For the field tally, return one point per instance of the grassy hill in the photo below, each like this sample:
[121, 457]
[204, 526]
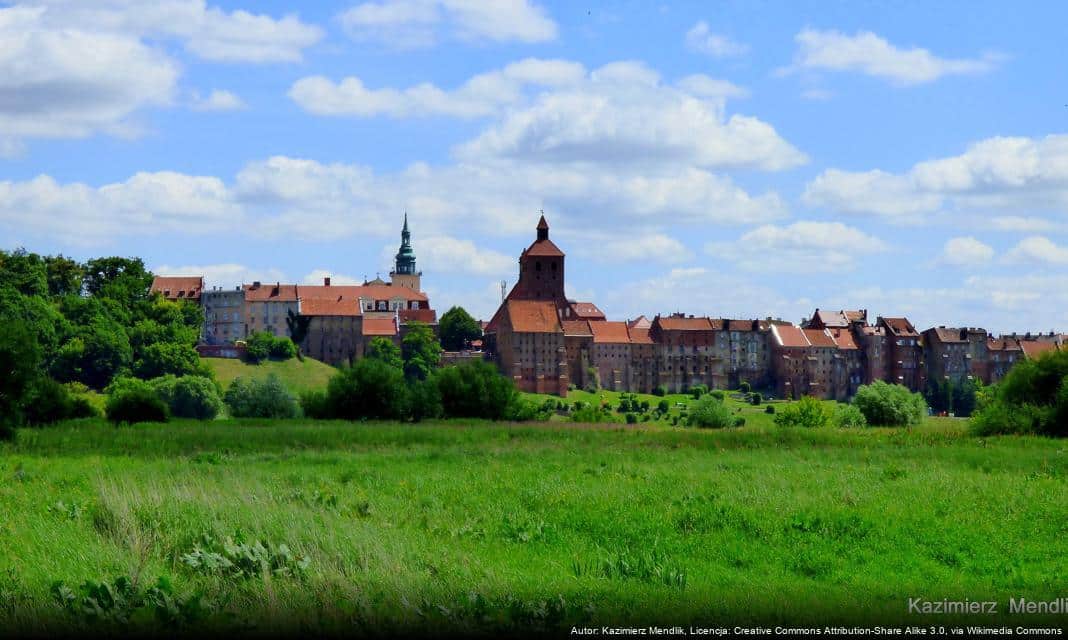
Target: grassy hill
[298, 376]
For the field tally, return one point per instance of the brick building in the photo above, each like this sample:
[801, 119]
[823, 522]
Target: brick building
[175, 288]
[224, 315]
[905, 363]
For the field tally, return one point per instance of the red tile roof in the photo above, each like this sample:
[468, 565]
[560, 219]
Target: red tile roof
[354, 292]
[543, 248]
[843, 338]
[609, 332]
[429, 316]
[178, 287]
[532, 316]
[379, 327]
[270, 292]
[587, 311]
[945, 334]
[675, 323]
[639, 335]
[1034, 348]
[900, 326]
[1002, 344]
[745, 325]
[641, 322]
[325, 307]
[819, 338]
[576, 328]
[787, 335]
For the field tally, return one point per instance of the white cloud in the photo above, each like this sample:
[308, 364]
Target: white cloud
[482, 95]
[803, 246]
[451, 255]
[208, 32]
[1025, 224]
[1038, 250]
[996, 175]
[635, 246]
[965, 251]
[227, 275]
[217, 100]
[867, 53]
[701, 39]
[409, 24]
[65, 83]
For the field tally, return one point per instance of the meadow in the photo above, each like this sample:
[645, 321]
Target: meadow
[359, 527]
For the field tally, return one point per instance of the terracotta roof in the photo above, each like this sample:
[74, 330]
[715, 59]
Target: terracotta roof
[640, 335]
[1034, 348]
[819, 338]
[354, 292]
[832, 318]
[843, 338]
[576, 328]
[856, 316]
[900, 326]
[609, 332]
[324, 307]
[675, 323]
[641, 322]
[532, 316]
[586, 310]
[787, 335]
[429, 316]
[745, 325]
[270, 292]
[544, 248]
[945, 334]
[873, 331]
[379, 327]
[178, 287]
[1002, 344]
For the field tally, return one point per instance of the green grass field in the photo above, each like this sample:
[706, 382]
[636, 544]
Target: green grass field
[296, 375]
[515, 527]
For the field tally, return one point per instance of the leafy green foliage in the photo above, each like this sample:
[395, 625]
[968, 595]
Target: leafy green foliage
[890, 405]
[458, 329]
[848, 416]
[420, 351]
[266, 398]
[261, 345]
[243, 559]
[1032, 398]
[755, 398]
[189, 396]
[424, 399]
[660, 391]
[19, 360]
[698, 390]
[48, 402]
[368, 389]
[122, 603]
[593, 414]
[711, 413]
[475, 390]
[744, 387]
[167, 358]
[131, 400]
[808, 413]
[385, 350]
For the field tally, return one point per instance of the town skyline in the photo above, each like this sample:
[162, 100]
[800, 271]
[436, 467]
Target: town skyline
[731, 160]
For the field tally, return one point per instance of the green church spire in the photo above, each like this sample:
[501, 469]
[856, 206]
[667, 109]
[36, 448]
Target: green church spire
[405, 256]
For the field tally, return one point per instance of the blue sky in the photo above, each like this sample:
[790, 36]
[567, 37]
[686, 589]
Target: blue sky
[730, 159]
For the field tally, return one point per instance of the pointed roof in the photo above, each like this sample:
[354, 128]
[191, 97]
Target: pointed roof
[542, 224]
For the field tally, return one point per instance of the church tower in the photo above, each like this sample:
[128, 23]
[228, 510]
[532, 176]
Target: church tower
[404, 273]
[541, 270]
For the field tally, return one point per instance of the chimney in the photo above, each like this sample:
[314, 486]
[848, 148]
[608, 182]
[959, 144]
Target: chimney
[326, 281]
[256, 284]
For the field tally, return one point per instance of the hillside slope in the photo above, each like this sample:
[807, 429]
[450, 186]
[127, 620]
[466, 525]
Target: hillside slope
[296, 375]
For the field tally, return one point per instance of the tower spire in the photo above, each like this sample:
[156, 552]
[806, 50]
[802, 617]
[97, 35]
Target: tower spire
[405, 261]
[543, 227]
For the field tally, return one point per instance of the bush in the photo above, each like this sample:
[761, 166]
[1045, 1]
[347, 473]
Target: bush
[756, 398]
[698, 390]
[847, 416]
[189, 396]
[266, 398]
[368, 389]
[424, 401]
[525, 411]
[632, 418]
[739, 421]
[316, 405]
[1032, 398]
[660, 391]
[592, 414]
[163, 358]
[709, 413]
[475, 390]
[769, 409]
[663, 406]
[263, 344]
[48, 402]
[131, 400]
[283, 349]
[808, 412]
[745, 387]
[890, 405]
[718, 394]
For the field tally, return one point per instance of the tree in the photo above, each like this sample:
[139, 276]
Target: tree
[25, 272]
[195, 397]
[258, 346]
[19, 367]
[266, 398]
[384, 350]
[890, 405]
[368, 389]
[744, 387]
[848, 416]
[1031, 398]
[64, 276]
[95, 354]
[710, 413]
[131, 400]
[808, 412]
[475, 390]
[162, 358]
[420, 351]
[458, 329]
[121, 278]
[297, 325]
[965, 398]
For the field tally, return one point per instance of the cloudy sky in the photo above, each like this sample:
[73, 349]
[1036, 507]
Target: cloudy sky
[733, 159]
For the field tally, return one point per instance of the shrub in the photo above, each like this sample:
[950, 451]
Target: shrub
[745, 387]
[663, 406]
[808, 412]
[632, 418]
[475, 390]
[769, 409]
[698, 390]
[1032, 398]
[368, 389]
[162, 358]
[131, 400]
[266, 398]
[194, 397]
[48, 402]
[283, 349]
[424, 401]
[258, 346]
[890, 405]
[756, 398]
[718, 394]
[316, 405]
[848, 416]
[592, 414]
[709, 413]
[739, 421]
[593, 380]
[660, 391]
[524, 411]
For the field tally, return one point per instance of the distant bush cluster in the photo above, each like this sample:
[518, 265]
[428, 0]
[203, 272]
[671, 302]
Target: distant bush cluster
[1032, 398]
[261, 345]
[890, 405]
